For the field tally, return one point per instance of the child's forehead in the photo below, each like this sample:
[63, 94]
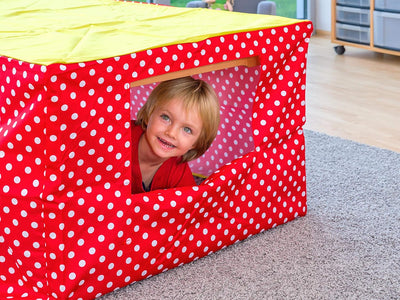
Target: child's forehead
[178, 102]
[180, 108]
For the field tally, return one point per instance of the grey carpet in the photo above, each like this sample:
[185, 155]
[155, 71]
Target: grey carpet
[347, 247]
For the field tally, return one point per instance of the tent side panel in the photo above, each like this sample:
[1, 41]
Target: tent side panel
[23, 144]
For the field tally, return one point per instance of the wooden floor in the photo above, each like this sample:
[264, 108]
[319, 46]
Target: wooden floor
[355, 96]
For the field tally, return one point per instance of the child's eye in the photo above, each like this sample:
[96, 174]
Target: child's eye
[187, 130]
[164, 117]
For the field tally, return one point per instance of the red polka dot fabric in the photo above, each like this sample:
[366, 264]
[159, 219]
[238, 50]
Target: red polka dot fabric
[69, 227]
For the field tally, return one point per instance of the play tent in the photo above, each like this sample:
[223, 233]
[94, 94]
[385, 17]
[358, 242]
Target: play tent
[73, 74]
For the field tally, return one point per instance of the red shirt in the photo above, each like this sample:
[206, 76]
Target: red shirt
[170, 174]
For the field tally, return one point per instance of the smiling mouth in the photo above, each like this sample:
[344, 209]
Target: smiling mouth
[166, 144]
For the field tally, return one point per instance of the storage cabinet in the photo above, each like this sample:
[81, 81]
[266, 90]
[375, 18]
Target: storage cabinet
[368, 24]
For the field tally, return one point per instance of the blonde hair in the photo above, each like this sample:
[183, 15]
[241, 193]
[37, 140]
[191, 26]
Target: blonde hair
[195, 94]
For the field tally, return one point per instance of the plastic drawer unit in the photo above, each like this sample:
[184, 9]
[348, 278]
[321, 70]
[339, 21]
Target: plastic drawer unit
[353, 33]
[366, 24]
[388, 5]
[386, 30]
[355, 3]
[353, 15]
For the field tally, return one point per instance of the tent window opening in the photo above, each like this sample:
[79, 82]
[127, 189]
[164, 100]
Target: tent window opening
[235, 84]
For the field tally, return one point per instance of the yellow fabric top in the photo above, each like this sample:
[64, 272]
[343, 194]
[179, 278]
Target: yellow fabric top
[69, 31]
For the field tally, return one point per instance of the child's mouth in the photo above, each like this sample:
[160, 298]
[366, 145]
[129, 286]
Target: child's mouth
[166, 144]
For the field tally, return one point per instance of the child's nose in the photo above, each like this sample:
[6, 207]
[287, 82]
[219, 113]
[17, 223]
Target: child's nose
[171, 131]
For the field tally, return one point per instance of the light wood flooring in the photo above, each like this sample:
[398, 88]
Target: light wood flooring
[355, 96]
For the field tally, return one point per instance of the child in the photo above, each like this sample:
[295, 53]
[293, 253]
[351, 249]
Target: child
[229, 5]
[178, 123]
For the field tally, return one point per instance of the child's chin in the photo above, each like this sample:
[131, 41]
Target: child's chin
[166, 153]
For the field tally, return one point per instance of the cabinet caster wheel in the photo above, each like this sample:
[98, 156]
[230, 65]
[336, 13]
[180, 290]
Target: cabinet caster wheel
[339, 49]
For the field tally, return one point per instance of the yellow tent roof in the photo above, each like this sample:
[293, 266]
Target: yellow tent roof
[69, 31]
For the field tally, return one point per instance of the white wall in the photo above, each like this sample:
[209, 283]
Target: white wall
[322, 15]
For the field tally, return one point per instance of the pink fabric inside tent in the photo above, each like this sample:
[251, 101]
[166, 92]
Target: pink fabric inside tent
[235, 135]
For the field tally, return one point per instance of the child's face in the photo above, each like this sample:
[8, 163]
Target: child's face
[172, 131]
